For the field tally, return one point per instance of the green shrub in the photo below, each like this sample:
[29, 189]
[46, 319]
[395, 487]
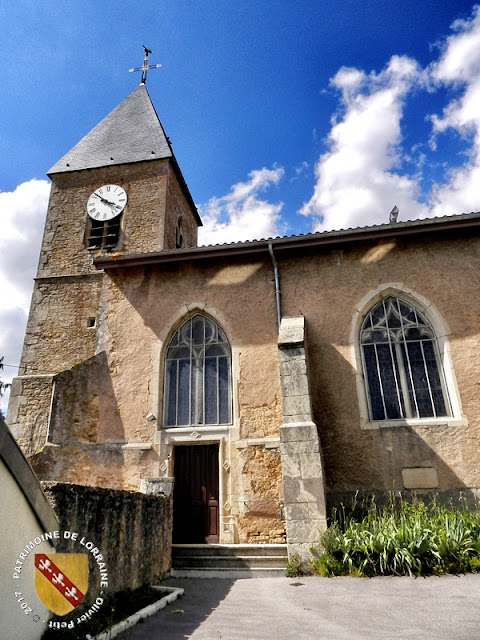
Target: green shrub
[295, 566]
[399, 538]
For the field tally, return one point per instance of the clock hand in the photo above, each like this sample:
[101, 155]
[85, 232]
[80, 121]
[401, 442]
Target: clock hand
[110, 204]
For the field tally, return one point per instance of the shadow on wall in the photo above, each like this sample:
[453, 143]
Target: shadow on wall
[226, 286]
[84, 410]
[84, 407]
[376, 460]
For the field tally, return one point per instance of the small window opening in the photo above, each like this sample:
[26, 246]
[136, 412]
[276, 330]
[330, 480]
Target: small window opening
[104, 235]
[179, 234]
[91, 323]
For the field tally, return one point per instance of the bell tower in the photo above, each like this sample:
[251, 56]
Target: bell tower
[118, 191]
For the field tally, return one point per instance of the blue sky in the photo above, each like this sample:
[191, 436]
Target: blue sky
[285, 116]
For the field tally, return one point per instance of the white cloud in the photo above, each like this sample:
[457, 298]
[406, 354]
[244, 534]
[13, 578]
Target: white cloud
[363, 174]
[22, 215]
[241, 215]
[356, 181]
[459, 66]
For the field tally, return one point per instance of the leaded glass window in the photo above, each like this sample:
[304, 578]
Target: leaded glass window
[403, 371]
[198, 375]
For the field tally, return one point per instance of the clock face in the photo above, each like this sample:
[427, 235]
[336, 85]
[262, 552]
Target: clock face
[106, 202]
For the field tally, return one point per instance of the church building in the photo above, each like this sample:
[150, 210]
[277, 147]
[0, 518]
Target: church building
[262, 382]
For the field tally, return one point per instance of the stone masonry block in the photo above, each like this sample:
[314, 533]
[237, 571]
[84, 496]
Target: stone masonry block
[16, 388]
[311, 465]
[305, 531]
[297, 405]
[314, 487]
[289, 353]
[295, 384]
[292, 331]
[292, 490]
[298, 431]
[297, 448]
[310, 491]
[297, 511]
[420, 478]
[291, 466]
[293, 366]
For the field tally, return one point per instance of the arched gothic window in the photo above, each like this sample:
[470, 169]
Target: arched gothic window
[404, 376]
[198, 375]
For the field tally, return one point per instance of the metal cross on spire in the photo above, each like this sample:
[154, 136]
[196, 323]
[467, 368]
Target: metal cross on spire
[145, 66]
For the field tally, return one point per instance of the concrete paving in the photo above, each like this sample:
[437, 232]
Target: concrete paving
[436, 608]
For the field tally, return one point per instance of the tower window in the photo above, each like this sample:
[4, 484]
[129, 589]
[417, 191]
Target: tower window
[179, 234]
[104, 235]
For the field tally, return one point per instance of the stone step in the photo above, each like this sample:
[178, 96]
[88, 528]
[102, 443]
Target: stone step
[227, 574]
[230, 550]
[228, 561]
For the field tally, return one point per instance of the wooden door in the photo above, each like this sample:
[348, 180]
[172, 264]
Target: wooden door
[195, 494]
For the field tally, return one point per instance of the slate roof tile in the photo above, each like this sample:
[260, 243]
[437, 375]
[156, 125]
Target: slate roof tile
[132, 132]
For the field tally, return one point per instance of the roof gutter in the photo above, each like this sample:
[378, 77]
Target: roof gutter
[277, 283]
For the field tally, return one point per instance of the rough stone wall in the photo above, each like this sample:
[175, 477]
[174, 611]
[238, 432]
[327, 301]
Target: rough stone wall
[133, 531]
[77, 450]
[333, 283]
[260, 518]
[177, 206]
[29, 410]
[58, 336]
[58, 333]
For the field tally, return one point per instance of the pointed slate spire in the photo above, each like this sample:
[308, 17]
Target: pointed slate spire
[132, 132]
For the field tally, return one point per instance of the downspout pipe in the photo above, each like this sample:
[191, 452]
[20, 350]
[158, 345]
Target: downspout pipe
[277, 283]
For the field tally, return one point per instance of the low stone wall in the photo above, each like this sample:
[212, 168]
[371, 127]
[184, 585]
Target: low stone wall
[133, 531]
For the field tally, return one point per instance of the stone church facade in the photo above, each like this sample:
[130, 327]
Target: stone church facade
[264, 381]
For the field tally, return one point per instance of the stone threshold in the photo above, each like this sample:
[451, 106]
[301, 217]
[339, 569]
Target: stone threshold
[232, 545]
[228, 574]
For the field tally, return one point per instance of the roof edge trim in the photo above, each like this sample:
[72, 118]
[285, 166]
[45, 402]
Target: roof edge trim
[398, 229]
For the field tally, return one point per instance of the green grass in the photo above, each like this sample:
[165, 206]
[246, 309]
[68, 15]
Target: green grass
[400, 538]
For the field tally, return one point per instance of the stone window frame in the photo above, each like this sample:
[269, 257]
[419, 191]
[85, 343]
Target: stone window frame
[156, 400]
[198, 366]
[442, 333]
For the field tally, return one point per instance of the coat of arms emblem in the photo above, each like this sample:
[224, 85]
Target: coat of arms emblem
[61, 580]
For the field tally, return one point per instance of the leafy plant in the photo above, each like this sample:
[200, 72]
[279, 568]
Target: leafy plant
[295, 566]
[3, 385]
[399, 538]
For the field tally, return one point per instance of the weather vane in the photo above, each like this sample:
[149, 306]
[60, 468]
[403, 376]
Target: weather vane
[145, 66]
